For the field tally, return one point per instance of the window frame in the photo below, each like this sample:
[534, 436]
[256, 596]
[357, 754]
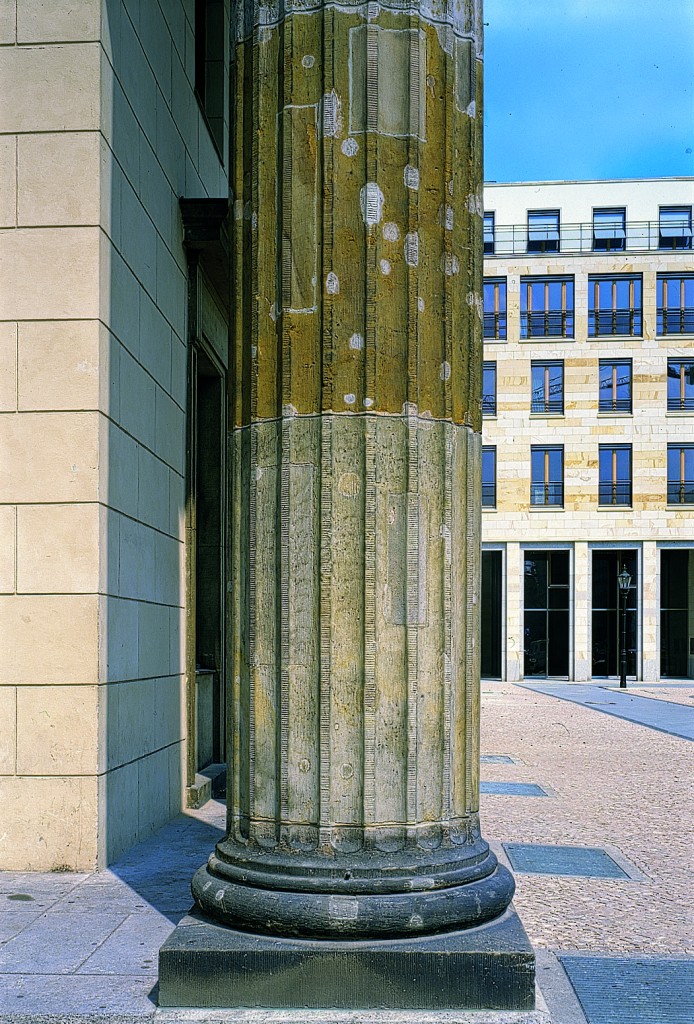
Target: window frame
[530, 317]
[489, 407]
[547, 244]
[498, 316]
[684, 314]
[612, 315]
[682, 485]
[678, 241]
[620, 492]
[616, 242]
[546, 365]
[490, 485]
[552, 490]
[612, 408]
[683, 403]
[489, 218]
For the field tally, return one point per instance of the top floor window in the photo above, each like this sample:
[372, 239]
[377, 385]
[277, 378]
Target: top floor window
[675, 228]
[614, 305]
[547, 307]
[495, 308]
[543, 230]
[675, 298]
[209, 66]
[609, 229]
[488, 234]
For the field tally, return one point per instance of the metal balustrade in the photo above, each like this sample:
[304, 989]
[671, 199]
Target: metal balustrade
[550, 493]
[614, 492]
[680, 492]
[639, 236]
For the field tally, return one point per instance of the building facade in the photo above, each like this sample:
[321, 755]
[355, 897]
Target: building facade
[588, 464]
[113, 366]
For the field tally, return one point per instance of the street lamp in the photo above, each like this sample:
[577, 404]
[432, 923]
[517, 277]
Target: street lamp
[624, 581]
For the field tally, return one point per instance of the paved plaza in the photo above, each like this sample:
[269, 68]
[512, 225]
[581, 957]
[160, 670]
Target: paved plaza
[592, 809]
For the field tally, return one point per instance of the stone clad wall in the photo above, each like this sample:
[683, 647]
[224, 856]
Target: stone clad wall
[581, 523]
[101, 133]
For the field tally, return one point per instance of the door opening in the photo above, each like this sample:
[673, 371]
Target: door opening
[546, 614]
[606, 625]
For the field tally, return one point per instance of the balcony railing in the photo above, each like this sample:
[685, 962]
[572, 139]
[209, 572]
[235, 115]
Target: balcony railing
[639, 236]
[547, 324]
[614, 404]
[547, 493]
[602, 323]
[680, 492]
[616, 492]
[675, 320]
[489, 405]
[495, 325]
[680, 403]
[550, 406]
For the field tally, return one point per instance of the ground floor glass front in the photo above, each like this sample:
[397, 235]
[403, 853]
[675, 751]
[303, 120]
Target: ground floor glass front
[557, 612]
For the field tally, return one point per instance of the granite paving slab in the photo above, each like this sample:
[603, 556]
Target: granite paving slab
[675, 719]
[512, 789]
[52, 945]
[633, 990]
[33, 995]
[133, 948]
[583, 861]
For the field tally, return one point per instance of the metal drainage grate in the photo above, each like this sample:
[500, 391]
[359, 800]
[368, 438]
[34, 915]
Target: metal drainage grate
[583, 861]
[512, 789]
[632, 990]
[496, 759]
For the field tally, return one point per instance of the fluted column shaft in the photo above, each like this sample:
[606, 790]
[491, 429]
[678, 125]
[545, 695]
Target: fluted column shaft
[354, 708]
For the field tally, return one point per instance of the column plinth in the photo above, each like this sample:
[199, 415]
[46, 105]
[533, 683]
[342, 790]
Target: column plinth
[353, 698]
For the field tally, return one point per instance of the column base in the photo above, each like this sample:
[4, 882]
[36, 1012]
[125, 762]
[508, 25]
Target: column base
[206, 964]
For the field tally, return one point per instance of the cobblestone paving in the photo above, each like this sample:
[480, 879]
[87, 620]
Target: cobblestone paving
[614, 783]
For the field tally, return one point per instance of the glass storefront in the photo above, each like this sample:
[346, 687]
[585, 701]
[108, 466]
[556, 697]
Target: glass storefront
[546, 613]
[606, 618]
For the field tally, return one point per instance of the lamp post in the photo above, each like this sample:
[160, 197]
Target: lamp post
[624, 581]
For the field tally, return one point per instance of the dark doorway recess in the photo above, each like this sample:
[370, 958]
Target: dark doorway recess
[492, 613]
[606, 624]
[546, 613]
[206, 522]
[675, 602]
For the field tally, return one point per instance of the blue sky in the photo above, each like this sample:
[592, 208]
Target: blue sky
[588, 89]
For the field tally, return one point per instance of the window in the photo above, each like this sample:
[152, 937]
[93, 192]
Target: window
[675, 227]
[495, 308]
[614, 305]
[489, 476]
[680, 474]
[488, 234]
[209, 66]
[615, 385]
[675, 304]
[489, 388]
[615, 474]
[609, 230]
[547, 475]
[543, 230]
[680, 385]
[547, 307]
[547, 383]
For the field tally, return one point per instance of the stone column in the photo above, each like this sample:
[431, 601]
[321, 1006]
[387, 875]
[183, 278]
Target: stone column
[515, 644]
[354, 693]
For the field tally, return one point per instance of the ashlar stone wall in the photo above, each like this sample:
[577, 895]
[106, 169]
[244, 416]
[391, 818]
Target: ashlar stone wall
[100, 133]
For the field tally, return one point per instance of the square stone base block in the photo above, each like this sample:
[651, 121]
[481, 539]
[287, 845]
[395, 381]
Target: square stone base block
[205, 964]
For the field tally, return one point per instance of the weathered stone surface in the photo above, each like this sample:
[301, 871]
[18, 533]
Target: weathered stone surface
[354, 694]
